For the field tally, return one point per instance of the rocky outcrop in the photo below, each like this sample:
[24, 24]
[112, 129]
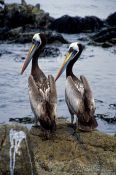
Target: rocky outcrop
[68, 24]
[19, 22]
[66, 152]
[106, 37]
[111, 19]
[15, 15]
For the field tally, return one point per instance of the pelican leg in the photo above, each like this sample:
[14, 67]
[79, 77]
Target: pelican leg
[35, 122]
[76, 124]
[72, 119]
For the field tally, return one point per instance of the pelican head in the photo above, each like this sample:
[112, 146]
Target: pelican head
[73, 54]
[38, 42]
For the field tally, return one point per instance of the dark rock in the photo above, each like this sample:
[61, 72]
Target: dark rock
[113, 106]
[2, 2]
[92, 23]
[24, 38]
[50, 52]
[111, 19]
[17, 15]
[106, 45]
[37, 6]
[25, 120]
[56, 38]
[68, 24]
[23, 2]
[1, 17]
[110, 120]
[106, 36]
[42, 20]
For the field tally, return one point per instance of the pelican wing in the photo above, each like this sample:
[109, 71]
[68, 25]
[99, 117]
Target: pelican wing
[36, 97]
[89, 100]
[73, 96]
[52, 95]
[37, 94]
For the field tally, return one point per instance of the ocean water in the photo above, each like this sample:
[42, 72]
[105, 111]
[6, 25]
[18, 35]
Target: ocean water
[97, 64]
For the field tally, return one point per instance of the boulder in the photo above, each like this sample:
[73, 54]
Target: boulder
[111, 19]
[16, 15]
[2, 2]
[106, 37]
[68, 24]
[92, 23]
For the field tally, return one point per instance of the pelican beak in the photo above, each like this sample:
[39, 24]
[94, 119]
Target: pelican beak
[29, 57]
[69, 56]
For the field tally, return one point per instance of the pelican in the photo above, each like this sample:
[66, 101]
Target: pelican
[78, 94]
[42, 90]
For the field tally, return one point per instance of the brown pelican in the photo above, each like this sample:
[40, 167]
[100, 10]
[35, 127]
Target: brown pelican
[78, 94]
[42, 90]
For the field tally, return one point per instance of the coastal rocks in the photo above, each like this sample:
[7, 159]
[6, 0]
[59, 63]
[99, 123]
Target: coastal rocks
[16, 15]
[18, 23]
[68, 24]
[2, 2]
[55, 38]
[50, 52]
[106, 37]
[110, 120]
[66, 152]
[20, 15]
[111, 19]
[24, 35]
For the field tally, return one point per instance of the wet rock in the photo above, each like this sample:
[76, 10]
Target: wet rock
[106, 45]
[25, 120]
[68, 24]
[22, 35]
[110, 120]
[50, 52]
[106, 37]
[111, 19]
[113, 106]
[105, 34]
[2, 2]
[55, 38]
[1, 17]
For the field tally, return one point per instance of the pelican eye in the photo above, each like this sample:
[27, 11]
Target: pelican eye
[36, 42]
[71, 49]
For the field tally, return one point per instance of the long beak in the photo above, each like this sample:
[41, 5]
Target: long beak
[29, 57]
[69, 56]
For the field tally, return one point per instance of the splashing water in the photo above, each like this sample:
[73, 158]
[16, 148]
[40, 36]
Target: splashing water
[16, 138]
